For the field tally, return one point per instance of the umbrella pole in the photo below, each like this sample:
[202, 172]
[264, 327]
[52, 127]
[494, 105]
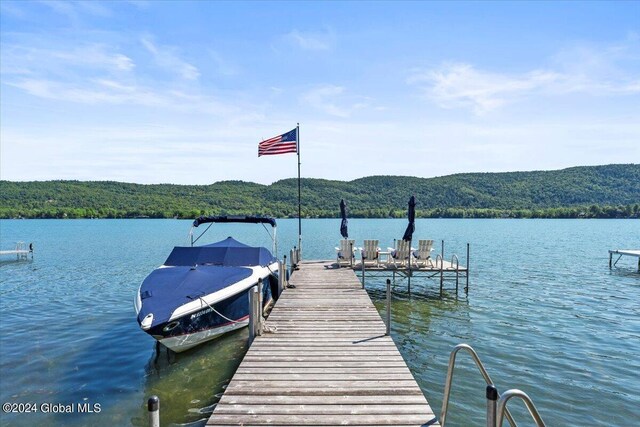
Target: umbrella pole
[409, 271]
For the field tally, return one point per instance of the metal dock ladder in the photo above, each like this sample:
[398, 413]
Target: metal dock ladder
[496, 403]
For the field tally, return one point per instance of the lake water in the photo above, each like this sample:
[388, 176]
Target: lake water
[544, 312]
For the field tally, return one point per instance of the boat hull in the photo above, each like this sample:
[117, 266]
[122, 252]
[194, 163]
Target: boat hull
[210, 322]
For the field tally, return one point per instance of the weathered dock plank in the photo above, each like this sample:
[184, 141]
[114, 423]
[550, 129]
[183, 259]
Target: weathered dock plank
[325, 360]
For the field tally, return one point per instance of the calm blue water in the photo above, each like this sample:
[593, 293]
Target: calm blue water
[544, 312]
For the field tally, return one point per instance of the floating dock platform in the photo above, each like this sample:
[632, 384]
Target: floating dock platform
[323, 360]
[621, 253]
[21, 251]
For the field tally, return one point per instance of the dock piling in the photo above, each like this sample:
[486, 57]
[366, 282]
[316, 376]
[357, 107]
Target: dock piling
[280, 279]
[351, 256]
[153, 406]
[388, 308]
[253, 313]
[466, 287]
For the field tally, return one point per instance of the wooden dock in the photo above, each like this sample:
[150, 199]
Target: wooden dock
[324, 360]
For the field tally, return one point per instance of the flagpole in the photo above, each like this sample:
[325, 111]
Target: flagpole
[299, 204]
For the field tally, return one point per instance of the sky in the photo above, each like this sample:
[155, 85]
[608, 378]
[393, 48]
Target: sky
[182, 92]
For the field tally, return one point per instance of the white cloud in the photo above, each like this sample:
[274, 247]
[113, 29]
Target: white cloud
[311, 41]
[46, 60]
[166, 57]
[597, 71]
[224, 66]
[106, 91]
[333, 100]
[461, 85]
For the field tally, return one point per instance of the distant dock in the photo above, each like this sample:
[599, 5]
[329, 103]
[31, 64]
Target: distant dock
[22, 251]
[621, 253]
[325, 358]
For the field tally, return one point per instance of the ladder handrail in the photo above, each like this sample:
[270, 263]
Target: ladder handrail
[502, 406]
[449, 381]
[455, 257]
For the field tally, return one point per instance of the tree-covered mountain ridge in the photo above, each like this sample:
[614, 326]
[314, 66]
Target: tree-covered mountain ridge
[583, 191]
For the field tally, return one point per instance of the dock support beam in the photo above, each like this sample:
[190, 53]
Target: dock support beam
[388, 332]
[351, 255]
[409, 270]
[466, 288]
[611, 260]
[363, 272]
[280, 279]
[441, 268]
[255, 324]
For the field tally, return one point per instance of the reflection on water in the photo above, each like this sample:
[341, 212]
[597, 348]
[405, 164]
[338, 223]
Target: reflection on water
[179, 379]
[544, 312]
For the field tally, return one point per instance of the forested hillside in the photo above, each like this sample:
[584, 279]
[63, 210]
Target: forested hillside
[588, 191]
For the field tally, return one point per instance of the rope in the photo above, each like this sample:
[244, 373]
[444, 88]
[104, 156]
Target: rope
[269, 329]
[218, 313]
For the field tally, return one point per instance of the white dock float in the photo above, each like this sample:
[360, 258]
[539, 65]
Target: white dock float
[21, 251]
[621, 253]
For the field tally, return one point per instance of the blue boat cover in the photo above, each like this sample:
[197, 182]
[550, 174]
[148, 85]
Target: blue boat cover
[228, 253]
[195, 272]
[166, 289]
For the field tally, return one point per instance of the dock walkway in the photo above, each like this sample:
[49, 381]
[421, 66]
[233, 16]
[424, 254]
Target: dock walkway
[325, 360]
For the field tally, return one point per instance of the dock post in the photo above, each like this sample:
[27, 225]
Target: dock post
[442, 250]
[409, 270]
[153, 406]
[362, 273]
[441, 272]
[466, 288]
[253, 313]
[260, 308]
[351, 254]
[611, 259]
[492, 405]
[388, 332]
[285, 272]
[280, 279]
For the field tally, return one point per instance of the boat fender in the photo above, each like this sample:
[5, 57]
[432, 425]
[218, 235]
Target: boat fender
[147, 321]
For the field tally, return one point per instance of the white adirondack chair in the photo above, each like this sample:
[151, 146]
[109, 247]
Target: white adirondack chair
[342, 252]
[401, 255]
[370, 252]
[423, 254]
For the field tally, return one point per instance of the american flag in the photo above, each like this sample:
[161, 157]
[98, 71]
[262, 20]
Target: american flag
[281, 144]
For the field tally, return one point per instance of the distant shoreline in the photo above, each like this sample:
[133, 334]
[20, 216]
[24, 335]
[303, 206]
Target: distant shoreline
[608, 212]
[608, 191]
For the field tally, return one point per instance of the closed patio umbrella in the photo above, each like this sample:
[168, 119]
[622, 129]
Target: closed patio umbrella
[411, 227]
[343, 225]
